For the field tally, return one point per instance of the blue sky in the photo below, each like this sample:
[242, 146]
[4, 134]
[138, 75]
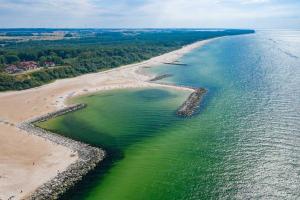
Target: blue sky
[259, 14]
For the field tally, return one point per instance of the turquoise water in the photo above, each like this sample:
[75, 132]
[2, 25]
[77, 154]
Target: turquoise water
[244, 143]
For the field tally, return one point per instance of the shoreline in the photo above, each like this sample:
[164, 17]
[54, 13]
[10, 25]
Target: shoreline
[21, 107]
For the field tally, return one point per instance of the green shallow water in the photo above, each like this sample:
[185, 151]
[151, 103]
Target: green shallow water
[244, 142]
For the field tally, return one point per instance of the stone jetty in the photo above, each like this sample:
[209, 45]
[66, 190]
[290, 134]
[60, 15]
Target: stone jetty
[192, 103]
[161, 77]
[175, 63]
[88, 157]
[62, 111]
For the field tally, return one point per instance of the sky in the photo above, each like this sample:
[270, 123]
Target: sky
[257, 14]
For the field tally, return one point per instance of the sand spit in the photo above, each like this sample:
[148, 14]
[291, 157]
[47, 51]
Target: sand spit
[28, 159]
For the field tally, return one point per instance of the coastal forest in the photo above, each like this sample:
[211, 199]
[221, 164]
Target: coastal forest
[83, 51]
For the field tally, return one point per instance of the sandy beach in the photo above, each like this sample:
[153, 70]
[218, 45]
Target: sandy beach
[28, 161]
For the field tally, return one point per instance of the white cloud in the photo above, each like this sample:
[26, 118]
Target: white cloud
[244, 1]
[148, 13]
[207, 13]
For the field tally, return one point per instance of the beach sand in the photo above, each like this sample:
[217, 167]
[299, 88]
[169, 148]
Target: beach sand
[28, 161]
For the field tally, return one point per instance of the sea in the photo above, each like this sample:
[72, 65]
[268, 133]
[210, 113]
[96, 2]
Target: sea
[243, 142]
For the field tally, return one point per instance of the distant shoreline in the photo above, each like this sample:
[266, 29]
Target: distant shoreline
[21, 106]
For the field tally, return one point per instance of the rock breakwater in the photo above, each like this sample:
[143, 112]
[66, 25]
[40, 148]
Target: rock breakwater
[175, 63]
[161, 77]
[88, 157]
[60, 112]
[192, 103]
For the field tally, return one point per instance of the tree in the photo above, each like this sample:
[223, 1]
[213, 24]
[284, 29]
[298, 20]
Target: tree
[2, 60]
[57, 60]
[25, 56]
[2, 67]
[42, 60]
[11, 58]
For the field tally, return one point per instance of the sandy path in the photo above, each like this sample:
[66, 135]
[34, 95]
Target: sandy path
[19, 150]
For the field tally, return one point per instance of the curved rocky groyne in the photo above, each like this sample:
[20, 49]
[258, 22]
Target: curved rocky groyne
[88, 157]
[192, 103]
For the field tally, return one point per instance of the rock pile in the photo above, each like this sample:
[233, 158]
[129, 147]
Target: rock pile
[88, 157]
[192, 103]
[63, 111]
[174, 63]
[161, 77]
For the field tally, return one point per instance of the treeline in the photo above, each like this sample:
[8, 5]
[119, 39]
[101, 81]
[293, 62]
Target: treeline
[71, 55]
[78, 62]
[106, 49]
